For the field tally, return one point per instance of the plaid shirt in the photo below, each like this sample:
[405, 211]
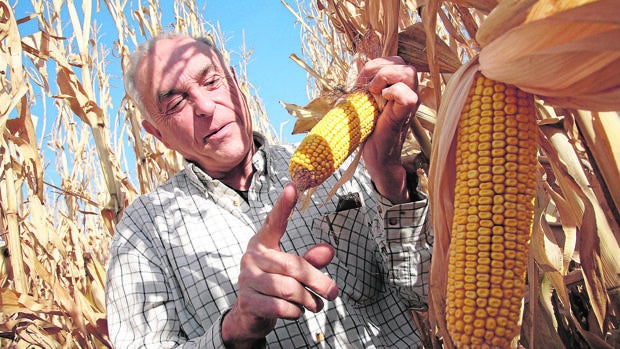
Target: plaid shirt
[174, 261]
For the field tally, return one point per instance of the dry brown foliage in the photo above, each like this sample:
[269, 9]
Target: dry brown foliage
[62, 192]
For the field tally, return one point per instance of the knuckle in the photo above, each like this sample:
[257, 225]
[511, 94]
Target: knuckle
[287, 290]
[291, 263]
[398, 59]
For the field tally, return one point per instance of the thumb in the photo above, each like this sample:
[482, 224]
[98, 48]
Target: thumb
[320, 255]
[275, 224]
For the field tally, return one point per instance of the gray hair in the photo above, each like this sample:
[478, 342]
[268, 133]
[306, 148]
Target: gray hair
[142, 51]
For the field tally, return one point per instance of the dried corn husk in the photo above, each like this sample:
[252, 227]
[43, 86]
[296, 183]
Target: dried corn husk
[567, 55]
[441, 183]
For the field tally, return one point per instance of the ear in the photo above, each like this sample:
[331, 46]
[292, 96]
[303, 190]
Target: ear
[151, 129]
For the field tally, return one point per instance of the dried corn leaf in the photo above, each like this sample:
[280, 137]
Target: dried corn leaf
[568, 228]
[542, 330]
[39, 333]
[23, 128]
[592, 265]
[61, 296]
[9, 205]
[545, 248]
[550, 258]
[41, 46]
[412, 48]
[14, 302]
[601, 269]
[80, 102]
[448, 20]
[96, 274]
[429, 16]
[600, 135]
[10, 57]
[483, 5]
[466, 21]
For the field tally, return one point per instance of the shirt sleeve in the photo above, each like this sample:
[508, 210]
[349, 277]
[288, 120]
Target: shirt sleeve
[405, 241]
[140, 296]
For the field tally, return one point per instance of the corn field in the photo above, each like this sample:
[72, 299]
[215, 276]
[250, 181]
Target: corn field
[54, 237]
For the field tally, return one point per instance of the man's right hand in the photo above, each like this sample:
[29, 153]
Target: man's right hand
[274, 284]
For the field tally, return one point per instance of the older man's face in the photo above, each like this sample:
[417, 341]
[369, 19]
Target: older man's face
[195, 106]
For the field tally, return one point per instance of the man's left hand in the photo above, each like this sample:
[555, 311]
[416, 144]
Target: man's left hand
[396, 82]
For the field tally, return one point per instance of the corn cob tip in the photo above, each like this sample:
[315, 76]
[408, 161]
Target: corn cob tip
[302, 180]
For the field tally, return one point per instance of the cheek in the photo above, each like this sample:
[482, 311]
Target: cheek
[178, 129]
[235, 101]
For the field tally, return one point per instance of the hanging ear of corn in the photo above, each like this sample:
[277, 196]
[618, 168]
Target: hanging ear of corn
[496, 155]
[333, 139]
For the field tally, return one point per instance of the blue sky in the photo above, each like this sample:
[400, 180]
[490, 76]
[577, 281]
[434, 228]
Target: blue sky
[270, 31]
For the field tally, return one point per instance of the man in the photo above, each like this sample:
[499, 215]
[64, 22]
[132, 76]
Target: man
[220, 255]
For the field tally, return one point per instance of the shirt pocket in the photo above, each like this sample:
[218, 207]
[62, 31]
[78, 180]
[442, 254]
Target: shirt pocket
[356, 264]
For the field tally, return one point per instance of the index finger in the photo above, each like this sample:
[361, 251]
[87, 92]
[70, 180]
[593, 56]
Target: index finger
[370, 69]
[275, 224]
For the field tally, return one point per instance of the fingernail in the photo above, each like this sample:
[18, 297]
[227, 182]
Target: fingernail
[332, 292]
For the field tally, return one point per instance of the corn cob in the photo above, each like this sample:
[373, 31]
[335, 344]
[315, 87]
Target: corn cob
[333, 139]
[496, 160]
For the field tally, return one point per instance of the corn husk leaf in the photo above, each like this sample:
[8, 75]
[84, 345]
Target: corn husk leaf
[307, 116]
[568, 58]
[441, 181]
[509, 14]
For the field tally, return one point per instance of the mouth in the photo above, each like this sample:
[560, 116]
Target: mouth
[215, 134]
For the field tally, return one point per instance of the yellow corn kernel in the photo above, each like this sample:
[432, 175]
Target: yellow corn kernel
[333, 139]
[496, 177]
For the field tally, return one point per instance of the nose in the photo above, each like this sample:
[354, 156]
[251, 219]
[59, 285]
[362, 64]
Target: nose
[203, 106]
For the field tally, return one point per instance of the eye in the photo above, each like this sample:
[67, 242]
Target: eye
[212, 81]
[175, 103]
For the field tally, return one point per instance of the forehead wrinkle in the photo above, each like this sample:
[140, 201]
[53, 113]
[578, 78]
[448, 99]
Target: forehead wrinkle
[200, 74]
[196, 76]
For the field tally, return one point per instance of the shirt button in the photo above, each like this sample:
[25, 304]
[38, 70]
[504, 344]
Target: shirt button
[393, 220]
[319, 337]
[236, 202]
